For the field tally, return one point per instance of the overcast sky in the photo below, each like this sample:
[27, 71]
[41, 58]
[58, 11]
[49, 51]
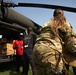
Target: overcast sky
[41, 15]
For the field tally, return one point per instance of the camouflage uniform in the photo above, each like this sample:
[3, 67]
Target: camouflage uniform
[69, 48]
[48, 52]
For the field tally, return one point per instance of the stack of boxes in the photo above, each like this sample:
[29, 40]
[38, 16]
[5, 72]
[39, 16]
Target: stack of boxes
[6, 48]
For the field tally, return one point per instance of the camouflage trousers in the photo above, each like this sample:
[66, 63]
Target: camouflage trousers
[46, 56]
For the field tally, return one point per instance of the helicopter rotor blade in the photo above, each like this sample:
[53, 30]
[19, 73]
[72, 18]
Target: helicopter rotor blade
[48, 6]
[70, 9]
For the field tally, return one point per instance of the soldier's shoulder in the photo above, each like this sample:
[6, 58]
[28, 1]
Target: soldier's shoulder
[46, 24]
[67, 23]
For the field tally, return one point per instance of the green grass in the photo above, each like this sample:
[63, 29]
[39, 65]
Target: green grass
[12, 72]
[71, 71]
[9, 69]
[9, 72]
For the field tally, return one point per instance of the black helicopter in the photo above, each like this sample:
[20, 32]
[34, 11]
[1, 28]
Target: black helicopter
[14, 22]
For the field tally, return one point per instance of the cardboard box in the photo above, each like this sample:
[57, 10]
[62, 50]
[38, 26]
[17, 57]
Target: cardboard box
[8, 46]
[8, 52]
[7, 49]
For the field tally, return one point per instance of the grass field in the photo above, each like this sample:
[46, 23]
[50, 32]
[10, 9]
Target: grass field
[71, 71]
[9, 69]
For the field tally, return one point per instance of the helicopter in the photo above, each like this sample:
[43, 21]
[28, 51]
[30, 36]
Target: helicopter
[35, 5]
[5, 9]
[12, 22]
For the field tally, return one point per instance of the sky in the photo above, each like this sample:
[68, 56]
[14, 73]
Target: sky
[42, 15]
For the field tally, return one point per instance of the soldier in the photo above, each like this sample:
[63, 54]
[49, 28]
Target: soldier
[69, 48]
[48, 48]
